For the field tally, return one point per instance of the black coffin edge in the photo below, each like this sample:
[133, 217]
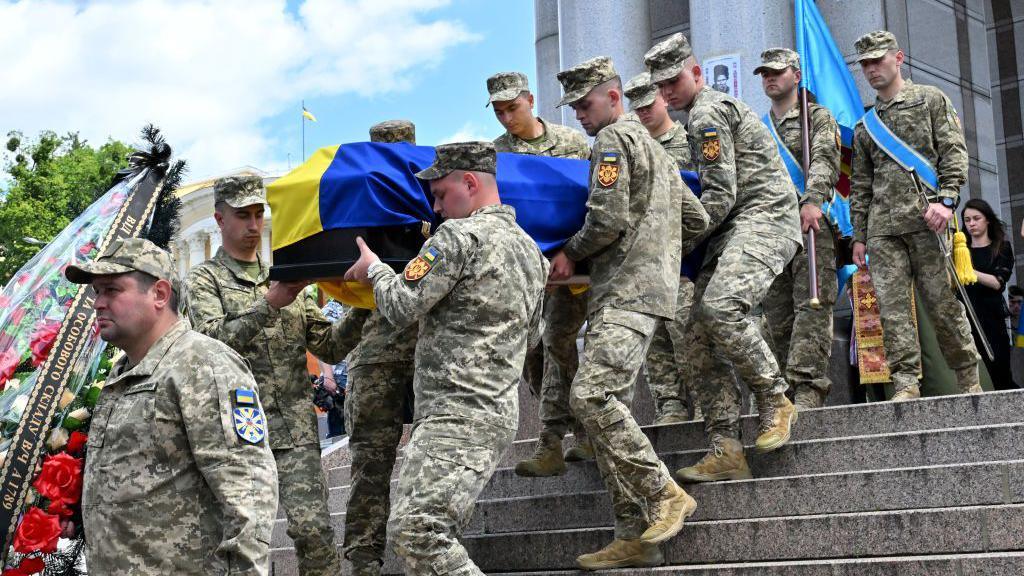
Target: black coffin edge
[330, 253]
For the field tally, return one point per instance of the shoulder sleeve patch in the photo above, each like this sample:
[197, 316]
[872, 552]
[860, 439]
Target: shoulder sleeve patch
[250, 423]
[608, 169]
[419, 266]
[710, 146]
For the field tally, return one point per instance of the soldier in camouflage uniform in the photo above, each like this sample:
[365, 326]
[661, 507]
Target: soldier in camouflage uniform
[380, 377]
[892, 225]
[476, 290]
[272, 325]
[754, 232]
[549, 370]
[637, 212]
[801, 336]
[179, 479]
[668, 371]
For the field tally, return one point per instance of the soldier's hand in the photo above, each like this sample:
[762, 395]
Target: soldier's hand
[359, 271]
[282, 294]
[809, 216]
[937, 216]
[561, 267]
[859, 255]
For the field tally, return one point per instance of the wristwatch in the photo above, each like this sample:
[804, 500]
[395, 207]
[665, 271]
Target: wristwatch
[949, 202]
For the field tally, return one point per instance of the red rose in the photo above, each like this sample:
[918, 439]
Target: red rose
[4, 301]
[42, 340]
[9, 361]
[38, 532]
[76, 443]
[28, 567]
[60, 481]
[16, 316]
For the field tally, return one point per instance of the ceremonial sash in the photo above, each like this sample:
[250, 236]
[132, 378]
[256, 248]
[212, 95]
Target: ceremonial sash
[796, 172]
[901, 152]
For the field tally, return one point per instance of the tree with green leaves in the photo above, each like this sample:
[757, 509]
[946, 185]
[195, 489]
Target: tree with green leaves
[49, 181]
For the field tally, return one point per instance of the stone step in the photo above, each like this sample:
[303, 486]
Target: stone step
[957, 530]
[980, 564]
[831, 422]
[873, 452]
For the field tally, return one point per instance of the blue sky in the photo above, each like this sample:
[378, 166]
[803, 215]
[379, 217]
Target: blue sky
[224, 78]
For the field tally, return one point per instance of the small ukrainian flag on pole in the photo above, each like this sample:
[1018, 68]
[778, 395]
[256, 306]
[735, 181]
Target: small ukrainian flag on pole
[308, 115]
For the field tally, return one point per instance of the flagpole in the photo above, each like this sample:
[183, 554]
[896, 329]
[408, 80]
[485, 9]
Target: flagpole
[303, 159]
[812, 260]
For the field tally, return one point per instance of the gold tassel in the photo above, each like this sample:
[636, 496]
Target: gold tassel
[962, 257]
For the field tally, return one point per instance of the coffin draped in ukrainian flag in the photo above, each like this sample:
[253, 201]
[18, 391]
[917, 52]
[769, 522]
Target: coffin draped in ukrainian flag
[370, 190]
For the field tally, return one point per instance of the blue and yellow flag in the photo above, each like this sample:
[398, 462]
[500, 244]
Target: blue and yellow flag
[308, 115]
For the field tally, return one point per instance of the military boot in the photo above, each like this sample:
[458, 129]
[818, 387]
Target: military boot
[725, 461]
[582, 451]
[547, 458]
[906, 392]
[668, 510]
[622, 554]
[777, 415]
[968, 380]
[807, 397]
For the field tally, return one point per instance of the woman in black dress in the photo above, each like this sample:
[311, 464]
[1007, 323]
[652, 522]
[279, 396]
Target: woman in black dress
[992, 257]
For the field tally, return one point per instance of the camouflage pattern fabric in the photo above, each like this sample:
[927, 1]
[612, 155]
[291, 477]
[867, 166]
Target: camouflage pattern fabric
[895, 262]
[727, 339]
[170, 487]
[677, 145]
[374, 409]
[778, 59]
[579, 80]
[801, 336]
[393, 131]
[665, 59]
[875, 45]
[123, 256]
[506, 86]
[668, 359]
[239, 191]
[558, 142]
[883, 200]
[445, 467]
[640, 91]
[224, 302]
[476, 290]
[469, 156]
[886, 211]
[303, 492]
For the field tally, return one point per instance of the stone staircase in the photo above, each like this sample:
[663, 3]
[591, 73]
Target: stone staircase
[931, 487]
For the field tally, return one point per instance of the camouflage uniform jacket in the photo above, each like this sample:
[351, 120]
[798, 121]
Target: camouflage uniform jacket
[169, 487]
[559, 142]
[368, 338]
[637, 213]
[825, 142]
[478, 306]
[883, 200]
[674, 142]
[745, 186]
[224, 303]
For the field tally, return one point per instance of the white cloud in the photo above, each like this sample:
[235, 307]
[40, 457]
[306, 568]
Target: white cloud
[469, 131]
[208, 73]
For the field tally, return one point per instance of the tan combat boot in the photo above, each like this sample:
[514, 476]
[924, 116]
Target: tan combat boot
[725, 461]
[583, 450]
[807, 397]
[669, 509]
[907, 392]
[622, 554]
[968, 380]
[777, 415]
[547, 458]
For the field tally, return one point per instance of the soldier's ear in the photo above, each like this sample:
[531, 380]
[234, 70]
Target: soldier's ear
[163, 295]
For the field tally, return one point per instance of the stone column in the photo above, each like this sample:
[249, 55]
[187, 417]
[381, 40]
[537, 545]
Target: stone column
[181, 259]
[215, 240]
[619, 29]
[744, 27]
[265, 251]
[547, 91]
[196, 249]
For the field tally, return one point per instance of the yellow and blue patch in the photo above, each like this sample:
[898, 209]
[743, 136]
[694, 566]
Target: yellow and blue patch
[431, 254]
[420, 265]
[608, 169]
[710, 132]
[245, 397]
[250, 424]
[610, 158]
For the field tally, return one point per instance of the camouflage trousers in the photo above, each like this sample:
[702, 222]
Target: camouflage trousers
[668, 359]
[550, 373]
[801, 336]
[446, 465]
[613, 353]
[727, 339]
[374, 410]
[303, 495]
[896, 262]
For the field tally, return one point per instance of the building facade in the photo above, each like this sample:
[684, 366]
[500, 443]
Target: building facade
[967, 48]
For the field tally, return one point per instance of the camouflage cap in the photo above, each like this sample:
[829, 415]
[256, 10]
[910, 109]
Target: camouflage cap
[469, 156]
[875, 45]
[123, 256]
[240, 191]
[579, 80]
[505, 86]
[393, 131]
[665, 59]
[778, 59]
[640, 91]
